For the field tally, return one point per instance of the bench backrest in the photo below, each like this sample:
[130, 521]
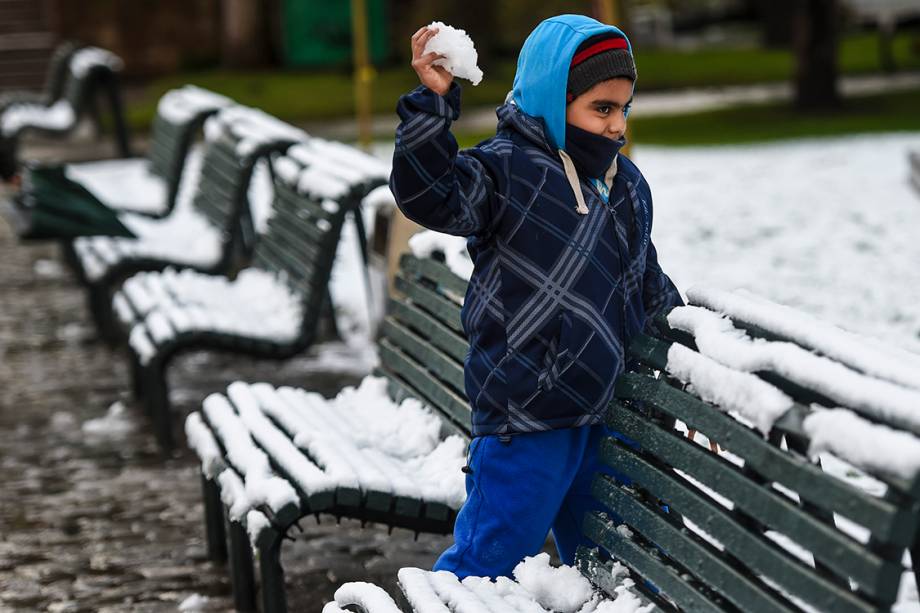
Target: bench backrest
[87, 68]
[753, 528]
[301, 235]
[180, 114]
[236, 139]
[422, 345]
[58, 68]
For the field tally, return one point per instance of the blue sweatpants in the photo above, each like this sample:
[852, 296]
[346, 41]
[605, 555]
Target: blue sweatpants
[517, 491]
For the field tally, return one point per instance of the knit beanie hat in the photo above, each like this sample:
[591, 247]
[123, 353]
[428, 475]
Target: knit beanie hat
[598, 58]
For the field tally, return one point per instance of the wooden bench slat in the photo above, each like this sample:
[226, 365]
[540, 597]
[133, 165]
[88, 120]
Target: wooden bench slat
[690, 551]
[440, 335]
[424, 353]
[701, 559]
[888, 523]
[877, 576]
[437, 272]
[646, 562]
[431, 301]
[426, 387]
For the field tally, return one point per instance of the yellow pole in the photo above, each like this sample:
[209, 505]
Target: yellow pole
[608, 11]
[364, 72]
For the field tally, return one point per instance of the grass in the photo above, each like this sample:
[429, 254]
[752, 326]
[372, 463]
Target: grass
[878, 113]
[300, 95]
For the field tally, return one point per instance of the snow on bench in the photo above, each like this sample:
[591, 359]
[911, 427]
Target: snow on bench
[871, 389]
[210, 202]
[537, 587]
[143, 185]
[272, 308]
[62, 114]
[328, 172]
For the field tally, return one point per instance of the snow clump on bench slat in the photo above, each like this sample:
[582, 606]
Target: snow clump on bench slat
[537, 588]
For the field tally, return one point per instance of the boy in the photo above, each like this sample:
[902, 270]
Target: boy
[564, 276]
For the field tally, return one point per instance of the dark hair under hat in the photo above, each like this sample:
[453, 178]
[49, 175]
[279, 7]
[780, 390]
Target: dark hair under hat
[599, 58]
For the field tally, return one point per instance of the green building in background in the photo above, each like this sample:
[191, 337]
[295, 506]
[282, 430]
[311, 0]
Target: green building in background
[318, 33]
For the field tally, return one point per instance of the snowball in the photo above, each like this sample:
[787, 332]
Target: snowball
[457, 46]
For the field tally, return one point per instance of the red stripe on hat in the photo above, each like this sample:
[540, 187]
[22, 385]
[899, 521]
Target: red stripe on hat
[604, 45]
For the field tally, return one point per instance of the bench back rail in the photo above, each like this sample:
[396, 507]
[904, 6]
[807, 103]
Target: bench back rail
[759, 526]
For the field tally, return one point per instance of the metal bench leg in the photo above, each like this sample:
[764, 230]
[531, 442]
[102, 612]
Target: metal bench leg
[100, 306]
[273, 596]
[241, 571]
[156, 393]
[137, 375]
[118, 116]
[214, 521]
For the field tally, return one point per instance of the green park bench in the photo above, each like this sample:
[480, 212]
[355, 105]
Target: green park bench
[257, 437]
[213, 231]
[66, 201]
[90, 71]
[54, 81]
[270, 310]
[758, 525]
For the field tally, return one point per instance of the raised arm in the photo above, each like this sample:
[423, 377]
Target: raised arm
[434, 184]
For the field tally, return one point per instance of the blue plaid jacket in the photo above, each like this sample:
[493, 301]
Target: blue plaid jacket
[554, 296]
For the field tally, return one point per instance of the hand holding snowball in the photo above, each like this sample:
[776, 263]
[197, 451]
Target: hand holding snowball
[435, 78]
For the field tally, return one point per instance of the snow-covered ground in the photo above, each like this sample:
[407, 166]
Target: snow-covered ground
[826, 225]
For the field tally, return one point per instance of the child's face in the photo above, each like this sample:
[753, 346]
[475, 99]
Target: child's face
[600, 109]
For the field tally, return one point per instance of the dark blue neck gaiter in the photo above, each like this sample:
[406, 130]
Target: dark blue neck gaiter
[591, 153]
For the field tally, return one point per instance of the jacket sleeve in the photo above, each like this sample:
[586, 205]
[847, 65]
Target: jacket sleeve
[659, 294]
[434, 184]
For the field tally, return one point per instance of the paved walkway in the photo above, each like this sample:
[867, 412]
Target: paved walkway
[90, 518]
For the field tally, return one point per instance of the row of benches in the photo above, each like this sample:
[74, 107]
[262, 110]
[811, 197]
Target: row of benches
[757, 526]
[78, 77]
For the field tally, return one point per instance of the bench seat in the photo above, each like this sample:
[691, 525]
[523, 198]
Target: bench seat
[212, 231]
[537, 588]
[272, 308]
[256, 304]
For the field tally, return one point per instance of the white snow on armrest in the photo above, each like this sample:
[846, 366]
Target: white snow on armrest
[718, 339]
[181, 105]
[202, 441]
[87, 58]
[308, 476]
[261, 485]
[456, 255]
[256, 522]
[233, 494]
[58, 116]
[251, 127]
[371, 598]
[876, 448]
[862, 353]
[729, 390]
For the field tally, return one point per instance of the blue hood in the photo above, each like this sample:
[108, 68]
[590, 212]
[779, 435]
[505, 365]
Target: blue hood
[543, 69]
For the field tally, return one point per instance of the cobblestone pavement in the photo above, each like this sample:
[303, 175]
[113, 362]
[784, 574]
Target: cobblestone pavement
[91, 519]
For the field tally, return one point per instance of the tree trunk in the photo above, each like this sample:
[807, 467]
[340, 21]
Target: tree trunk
[815, 27]
[244, 40]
